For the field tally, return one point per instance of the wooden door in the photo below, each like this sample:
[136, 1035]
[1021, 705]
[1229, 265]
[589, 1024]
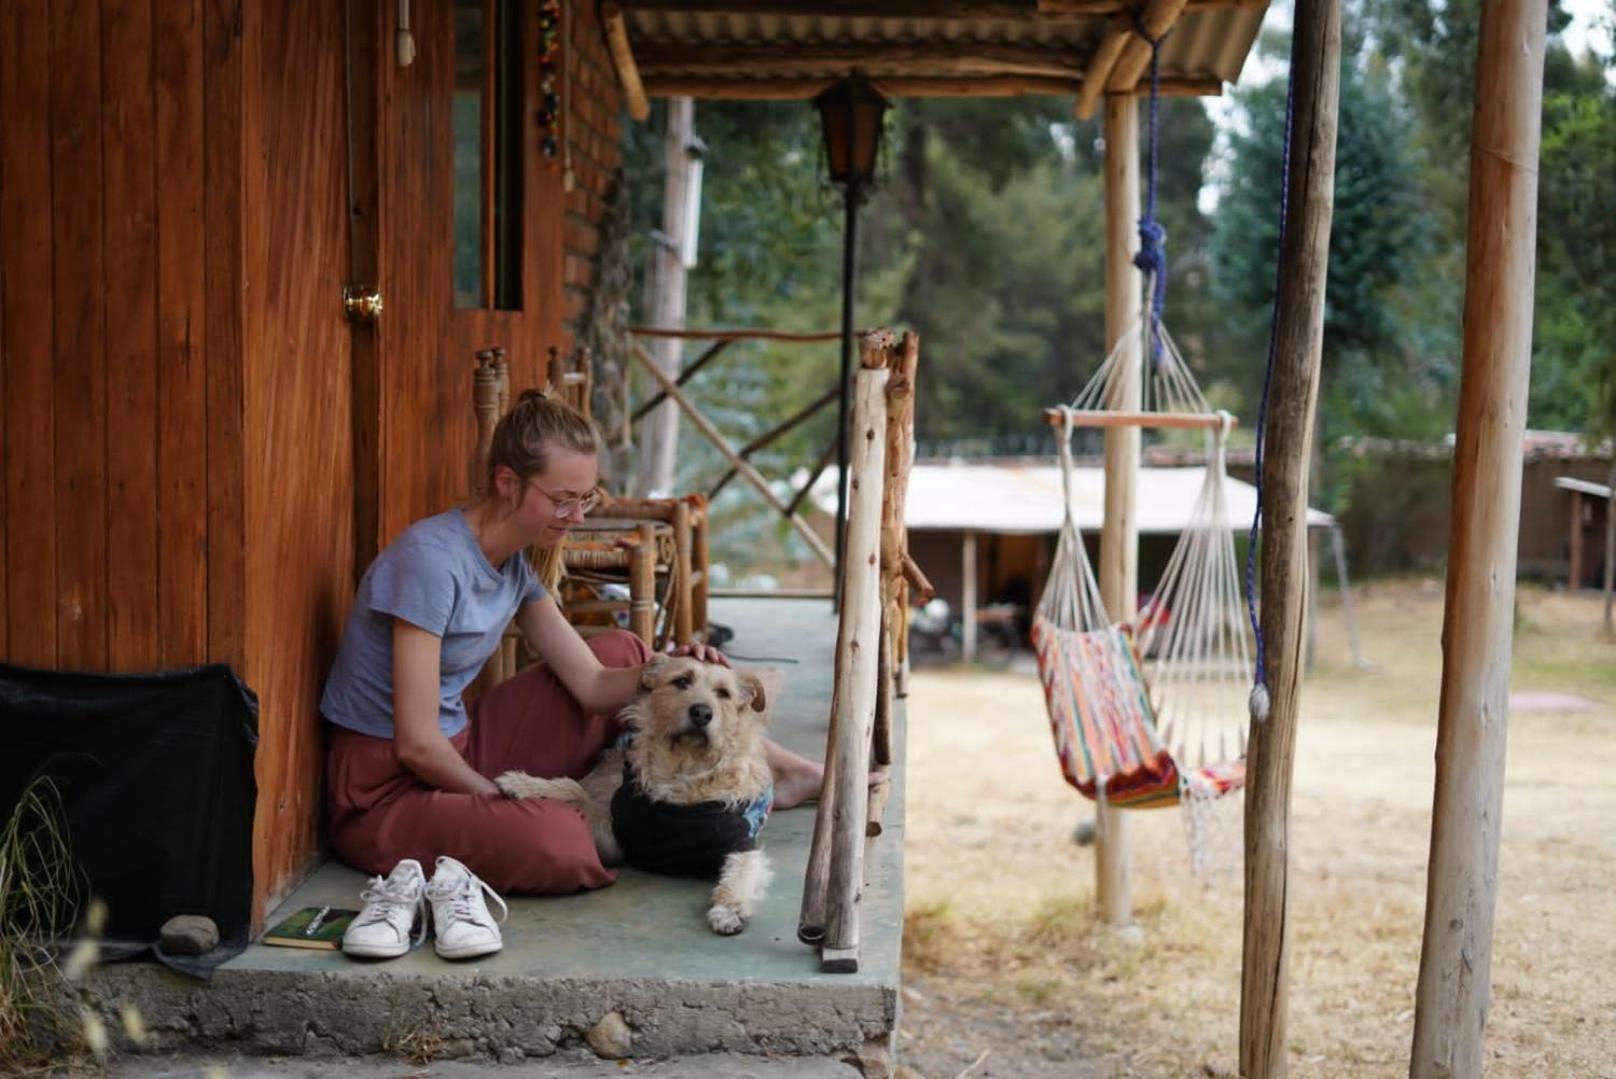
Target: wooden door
[444, 221]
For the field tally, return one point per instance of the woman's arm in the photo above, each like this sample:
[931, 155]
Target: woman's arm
[600, 689]
[419, 742]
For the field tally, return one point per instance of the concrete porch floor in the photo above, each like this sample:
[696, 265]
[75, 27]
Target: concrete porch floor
[640, 948]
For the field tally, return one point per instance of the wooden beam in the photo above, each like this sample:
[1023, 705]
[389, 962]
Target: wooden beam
[1209, 421]
[748, 473]
[1119, 535]
[733, 335]
[805, 88]
[1155, 20]
[968, 597]
[1116, 35]
[1090, 8]
[685, 375]
[1036, 11]
[1299, 336]
[1478, 618]
[1574, 576]
[928, 58]
[857, 659]
[628, 73]
[851, 9]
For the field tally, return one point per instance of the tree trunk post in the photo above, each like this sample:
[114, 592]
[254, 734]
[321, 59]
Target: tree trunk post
[1119, 536]
[1288, 444]
[659, 439]
[1478, 618]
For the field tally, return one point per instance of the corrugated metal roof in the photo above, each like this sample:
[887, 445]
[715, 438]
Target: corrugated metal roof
[1210, 43]
[1026, 499]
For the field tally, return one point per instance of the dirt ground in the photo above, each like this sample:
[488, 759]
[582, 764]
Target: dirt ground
[1007, 973]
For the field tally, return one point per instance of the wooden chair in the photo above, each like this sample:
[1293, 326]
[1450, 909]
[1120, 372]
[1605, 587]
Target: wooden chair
[682, 569]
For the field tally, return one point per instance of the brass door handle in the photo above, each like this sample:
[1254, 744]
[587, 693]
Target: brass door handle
[363, 303]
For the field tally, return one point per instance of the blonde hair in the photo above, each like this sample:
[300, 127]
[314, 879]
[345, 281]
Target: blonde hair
[522, 442]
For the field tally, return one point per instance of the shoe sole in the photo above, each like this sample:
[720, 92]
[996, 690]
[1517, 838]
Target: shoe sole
[468, 951]
[372, 951]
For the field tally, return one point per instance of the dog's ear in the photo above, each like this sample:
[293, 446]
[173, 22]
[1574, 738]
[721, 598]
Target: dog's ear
[752, 691]
[651, 672]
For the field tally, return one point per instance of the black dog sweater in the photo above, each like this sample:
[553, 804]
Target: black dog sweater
[683, 840]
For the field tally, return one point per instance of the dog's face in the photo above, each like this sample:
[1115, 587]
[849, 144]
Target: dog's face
[696, 707]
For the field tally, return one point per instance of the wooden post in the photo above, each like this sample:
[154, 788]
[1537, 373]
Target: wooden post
[684, 590]
[1119, 536]
[1574, 577]
[701, 558]
[826, 895]
[857, 659]
[659, 438]
[900, 409]
[968, 598]
[642, 584]
[1299, 332]
[1478, 619]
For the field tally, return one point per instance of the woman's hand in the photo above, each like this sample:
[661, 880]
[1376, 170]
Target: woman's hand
[704, 653]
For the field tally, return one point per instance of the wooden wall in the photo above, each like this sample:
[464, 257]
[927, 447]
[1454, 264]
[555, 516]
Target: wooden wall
[184, 475]
[299, 444]
[120, 373]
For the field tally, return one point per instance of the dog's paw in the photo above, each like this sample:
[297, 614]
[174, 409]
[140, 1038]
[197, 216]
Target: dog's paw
[515, 784]
[726, 921]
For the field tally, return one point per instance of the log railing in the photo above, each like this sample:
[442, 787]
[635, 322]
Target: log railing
[870, 651]
[672, 388]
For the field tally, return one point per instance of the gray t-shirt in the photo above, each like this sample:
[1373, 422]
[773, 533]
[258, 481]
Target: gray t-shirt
[434, 576]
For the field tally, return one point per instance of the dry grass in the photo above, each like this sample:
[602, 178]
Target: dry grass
[1001, 902]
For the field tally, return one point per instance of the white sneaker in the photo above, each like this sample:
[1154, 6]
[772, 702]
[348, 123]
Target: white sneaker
[392, 907]
[460, 918]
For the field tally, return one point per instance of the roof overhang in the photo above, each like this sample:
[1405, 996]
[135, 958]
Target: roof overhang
[793, 49]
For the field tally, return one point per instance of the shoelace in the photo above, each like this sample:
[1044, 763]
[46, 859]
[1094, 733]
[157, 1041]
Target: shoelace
[383, 898]
[463, 893]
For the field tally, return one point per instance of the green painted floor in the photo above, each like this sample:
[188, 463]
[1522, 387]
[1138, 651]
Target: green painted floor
[652, 927]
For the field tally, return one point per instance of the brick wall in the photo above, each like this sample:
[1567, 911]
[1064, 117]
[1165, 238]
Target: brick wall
[594, 108]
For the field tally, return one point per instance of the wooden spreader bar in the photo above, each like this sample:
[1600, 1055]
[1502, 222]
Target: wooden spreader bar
[1102, 418]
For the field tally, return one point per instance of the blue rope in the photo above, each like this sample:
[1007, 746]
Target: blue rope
[1152, 256]
[1261, 672]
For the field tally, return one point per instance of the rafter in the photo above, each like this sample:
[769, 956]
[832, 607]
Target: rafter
[628, 74]
[922, 58]
[804, 88]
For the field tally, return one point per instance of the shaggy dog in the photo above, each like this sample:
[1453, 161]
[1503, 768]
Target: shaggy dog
[689, 793]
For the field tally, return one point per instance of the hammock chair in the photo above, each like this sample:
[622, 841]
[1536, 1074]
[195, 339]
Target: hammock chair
[1144, 733]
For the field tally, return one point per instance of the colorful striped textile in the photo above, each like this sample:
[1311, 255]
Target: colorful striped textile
[1104, 725]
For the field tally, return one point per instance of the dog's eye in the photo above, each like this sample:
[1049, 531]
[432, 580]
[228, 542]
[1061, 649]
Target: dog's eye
[724, 693]
[682, 682]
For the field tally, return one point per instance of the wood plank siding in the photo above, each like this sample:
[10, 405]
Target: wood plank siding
[200, 452]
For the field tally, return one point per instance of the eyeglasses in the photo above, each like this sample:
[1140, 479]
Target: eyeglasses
[566, 507]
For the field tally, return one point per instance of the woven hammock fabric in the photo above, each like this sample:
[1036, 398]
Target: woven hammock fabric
[1101, 717]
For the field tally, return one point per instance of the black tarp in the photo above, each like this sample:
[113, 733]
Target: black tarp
[156, 773]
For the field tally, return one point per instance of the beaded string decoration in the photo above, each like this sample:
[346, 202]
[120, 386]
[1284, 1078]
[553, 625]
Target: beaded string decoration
[550, 78]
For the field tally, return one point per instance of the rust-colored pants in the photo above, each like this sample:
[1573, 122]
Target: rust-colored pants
[381, 813]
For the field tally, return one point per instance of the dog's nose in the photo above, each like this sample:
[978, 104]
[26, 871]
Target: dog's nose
[701, 714]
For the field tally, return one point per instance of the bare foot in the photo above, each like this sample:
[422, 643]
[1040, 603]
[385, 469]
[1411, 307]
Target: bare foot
[797, 783]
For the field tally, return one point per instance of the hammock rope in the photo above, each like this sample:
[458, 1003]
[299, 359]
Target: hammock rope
[1183, 739]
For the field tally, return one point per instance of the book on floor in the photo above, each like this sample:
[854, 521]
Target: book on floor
[311, 927]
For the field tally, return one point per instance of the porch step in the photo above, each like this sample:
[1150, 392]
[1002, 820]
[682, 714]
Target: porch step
[707, 1066]
[640, 948]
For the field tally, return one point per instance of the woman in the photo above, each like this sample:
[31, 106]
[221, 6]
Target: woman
[409, 764]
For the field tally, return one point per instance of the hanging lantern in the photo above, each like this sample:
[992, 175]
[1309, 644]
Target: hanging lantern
[850, 113]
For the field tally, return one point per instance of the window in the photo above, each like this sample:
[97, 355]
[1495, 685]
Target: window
[487, 124]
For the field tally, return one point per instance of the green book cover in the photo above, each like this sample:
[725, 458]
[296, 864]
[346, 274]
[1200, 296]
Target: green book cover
[312, 927]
